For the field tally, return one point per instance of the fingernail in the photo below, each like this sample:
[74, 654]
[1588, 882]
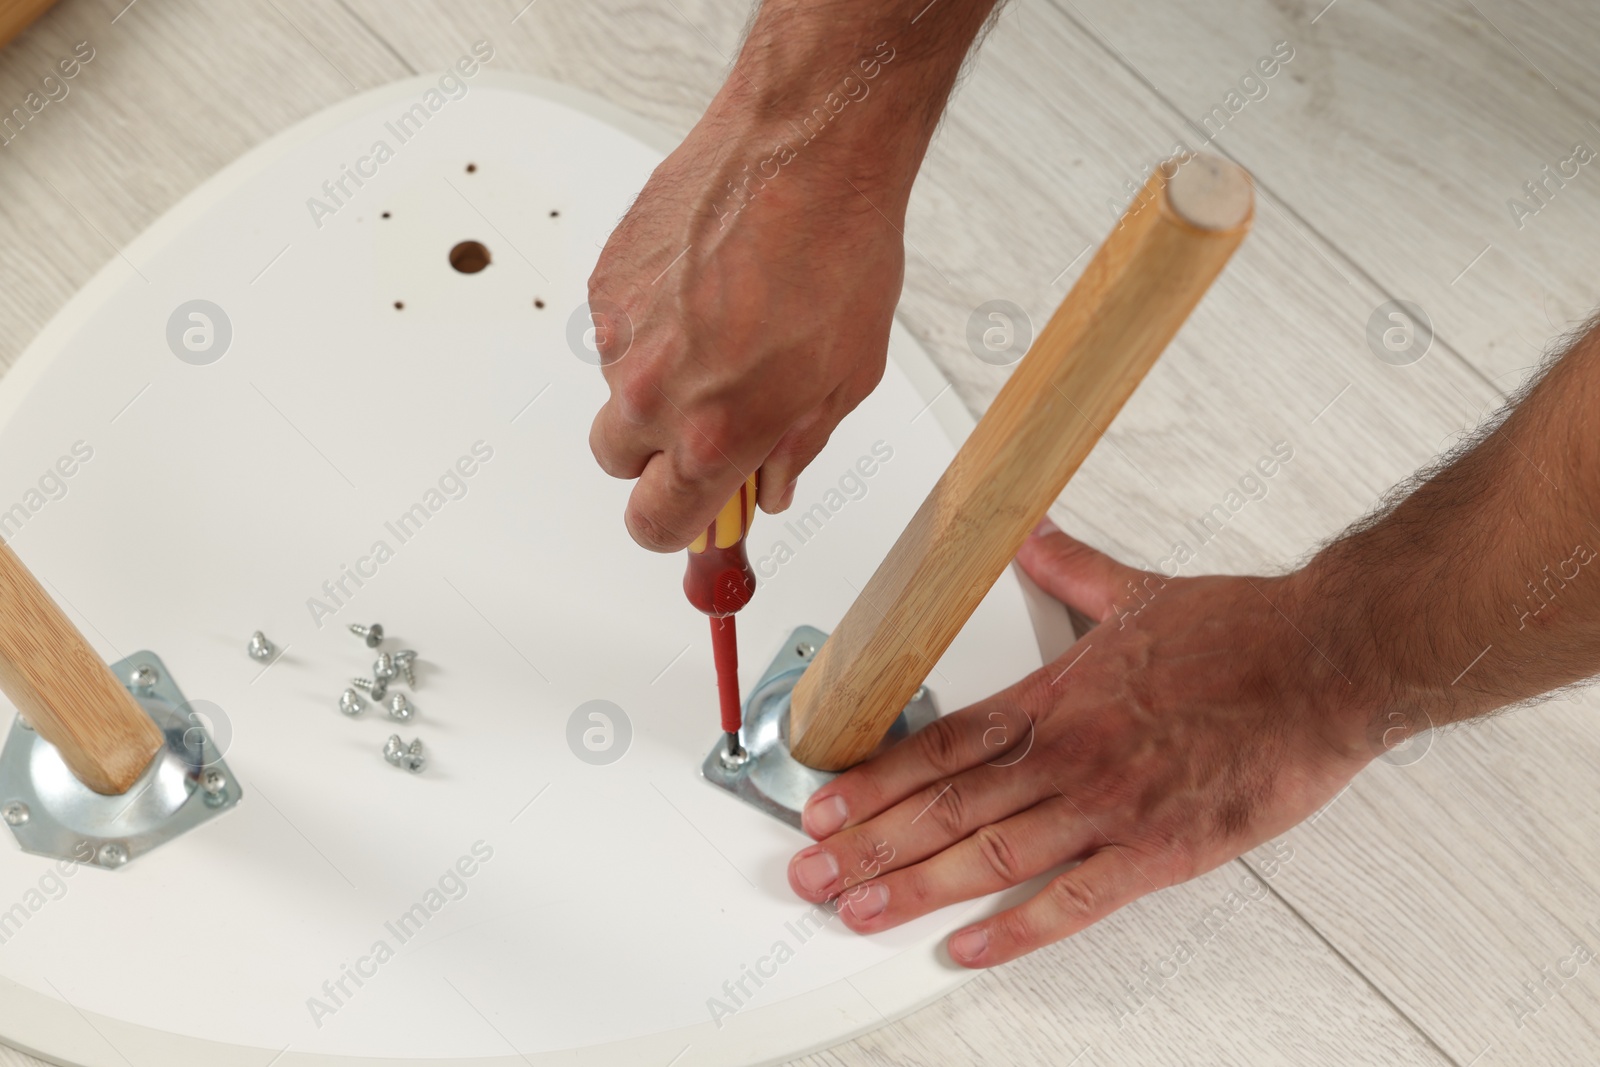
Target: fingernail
[816, 870]
[968, 945]
[824, 815]
[1045, 528]
[870, 902]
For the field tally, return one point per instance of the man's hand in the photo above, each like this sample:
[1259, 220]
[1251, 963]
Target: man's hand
[755, 327]
[1203, 716]
[1185, 729]
[743, 305]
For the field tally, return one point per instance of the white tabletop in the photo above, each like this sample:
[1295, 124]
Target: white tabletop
[1418, 917]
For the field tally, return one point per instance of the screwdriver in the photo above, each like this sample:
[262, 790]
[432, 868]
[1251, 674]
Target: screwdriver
[718, 583]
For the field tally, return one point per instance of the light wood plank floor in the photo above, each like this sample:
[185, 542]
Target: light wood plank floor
[1415, 909]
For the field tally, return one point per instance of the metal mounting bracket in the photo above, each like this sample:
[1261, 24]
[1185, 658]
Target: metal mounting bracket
[187, 783]
[767, 777]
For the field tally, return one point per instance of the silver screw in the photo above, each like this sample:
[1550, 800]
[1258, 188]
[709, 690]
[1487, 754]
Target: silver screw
[22, 720]
[374, 689]
[15, 813]
[260, 648]
[384, 670]
[373, 633]
[406, 661]
[734, 755]
[400, 754]
[805, 649]
[214, 783]
[920, 695]
[143, 678]
[401, 709]
[351, 704]
[112, 854]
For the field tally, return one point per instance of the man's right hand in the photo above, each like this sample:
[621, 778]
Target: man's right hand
[753, 322]
[743, 304]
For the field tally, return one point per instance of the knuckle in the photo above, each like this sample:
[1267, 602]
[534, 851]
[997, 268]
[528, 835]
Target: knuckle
[999, 851]
[1073, 898]
[636, 396]
[942, 745]
[798, 449]
[705, 449]
[945, 805]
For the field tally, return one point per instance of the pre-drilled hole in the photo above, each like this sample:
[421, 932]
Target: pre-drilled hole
[538, 303]
[385, 214]
[399, 305]
[472, 168]
[469, 257]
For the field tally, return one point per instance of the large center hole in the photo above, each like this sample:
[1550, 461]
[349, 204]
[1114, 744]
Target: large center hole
[469, 257]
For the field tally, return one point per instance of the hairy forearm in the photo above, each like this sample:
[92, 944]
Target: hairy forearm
[849, 91]
[1480, 588]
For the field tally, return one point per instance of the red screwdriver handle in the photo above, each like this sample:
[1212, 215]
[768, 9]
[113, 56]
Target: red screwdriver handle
[719, 582]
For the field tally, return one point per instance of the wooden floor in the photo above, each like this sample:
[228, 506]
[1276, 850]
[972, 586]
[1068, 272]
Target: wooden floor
[1430, 915]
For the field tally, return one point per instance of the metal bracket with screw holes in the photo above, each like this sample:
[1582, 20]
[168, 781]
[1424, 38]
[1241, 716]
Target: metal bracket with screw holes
[187, 783]
[767, 777]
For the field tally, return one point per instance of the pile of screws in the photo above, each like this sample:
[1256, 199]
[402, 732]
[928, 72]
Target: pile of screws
[388, 669]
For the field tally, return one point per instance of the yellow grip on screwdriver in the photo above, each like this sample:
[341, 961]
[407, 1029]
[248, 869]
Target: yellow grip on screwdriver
[732, 522]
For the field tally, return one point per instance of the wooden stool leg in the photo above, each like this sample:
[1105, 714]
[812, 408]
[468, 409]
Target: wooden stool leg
[66, 692]
[17, 15]
[1146, 278]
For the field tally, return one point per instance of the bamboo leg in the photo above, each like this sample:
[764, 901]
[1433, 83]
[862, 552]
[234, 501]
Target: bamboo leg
[1146, 278]
[66, 692]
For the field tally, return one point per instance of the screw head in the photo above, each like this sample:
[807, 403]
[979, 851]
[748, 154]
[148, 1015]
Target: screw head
[374, 689]
[350, 703]
[373, 633]
[15, 813]
[143, 678]
[22, 720]
[260, 648]
[384, 668]
[401, 709]
[805, 650]
[400, 754]
[214, 783]
[112, 854]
